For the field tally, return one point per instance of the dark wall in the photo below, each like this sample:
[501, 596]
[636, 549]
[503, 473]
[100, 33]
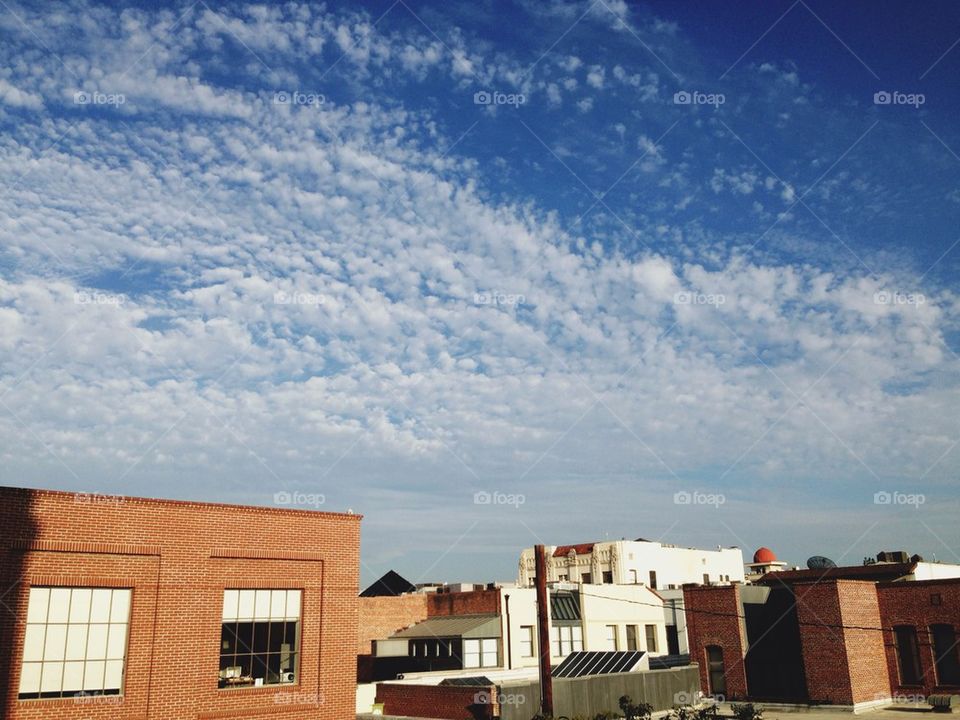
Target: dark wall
[774, 661]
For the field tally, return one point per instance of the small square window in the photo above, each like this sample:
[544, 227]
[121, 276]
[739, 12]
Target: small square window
[936, 599]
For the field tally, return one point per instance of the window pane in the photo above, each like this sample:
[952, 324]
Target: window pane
[80, 605]
[30, 678]
[56, 642]
[945, 654]
[33, 643]
[278, 604]
[77, 642]
[231, 599]
[260, 632]
[262, 610]
[100, 606]
[37, 605]
[93, 675]
[245, 637]
[113, 675]
[293, 604]
[59, 605]
[117, 643]
[73, 677]
[908, 653]
[97, 642]
[276, 636]
[228, 639]
[245, 611]
[120, 610]
[52, 677]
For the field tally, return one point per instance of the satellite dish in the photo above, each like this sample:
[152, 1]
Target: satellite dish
[818, 562]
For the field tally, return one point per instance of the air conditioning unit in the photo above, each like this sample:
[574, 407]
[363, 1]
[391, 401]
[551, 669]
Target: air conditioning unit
[286, 677]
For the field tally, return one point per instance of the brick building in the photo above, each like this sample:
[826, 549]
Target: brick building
[131, 608]
[823, 638]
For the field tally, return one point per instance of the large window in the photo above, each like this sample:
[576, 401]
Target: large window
[566, 639]
[908, 654]
[75, 642]
[716, 672]
[632, 643]
[945, 654]
[526, 641]
[480, 653]
[259, 642]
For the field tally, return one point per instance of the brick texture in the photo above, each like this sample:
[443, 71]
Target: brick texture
[920, 604]
[724, 629]
[434, 701]
[178, 557]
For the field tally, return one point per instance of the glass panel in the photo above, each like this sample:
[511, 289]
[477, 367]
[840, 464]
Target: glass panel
[80, 605]
[37, 605]
[33, 643]
[228, 639]
[59, 605]
[290, 635]
[244, 637]
[260, 632]
[52, 677]
[117, 642]
[245, 611]
[276, 636]
[73, 677]
[100, 606]
[93, 677]
[293, 604]
[120, 611]
[278, 604]
[262, 611]
[113, 675]
[77, 642]
[56, 641]
[30, 678]
[97, 642]
[577, 639]
[231, 599]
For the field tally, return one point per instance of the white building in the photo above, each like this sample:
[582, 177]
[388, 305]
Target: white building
[660, 567]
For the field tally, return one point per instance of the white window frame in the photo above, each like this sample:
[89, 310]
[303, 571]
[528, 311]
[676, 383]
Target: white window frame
[75, 642]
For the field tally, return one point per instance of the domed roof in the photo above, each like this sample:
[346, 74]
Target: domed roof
[764, 555]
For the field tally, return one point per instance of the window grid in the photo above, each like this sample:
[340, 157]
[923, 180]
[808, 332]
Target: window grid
[259, 642]
[75, 642]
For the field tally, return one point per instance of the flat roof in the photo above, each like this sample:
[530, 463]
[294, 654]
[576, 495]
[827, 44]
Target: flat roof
[135, 500]
[465, 626]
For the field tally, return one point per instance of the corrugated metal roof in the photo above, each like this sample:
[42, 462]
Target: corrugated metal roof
[581, 664]
[466, 626]
[565, 607]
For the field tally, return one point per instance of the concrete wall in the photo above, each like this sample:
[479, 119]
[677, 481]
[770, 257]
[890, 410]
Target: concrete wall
[600, 693]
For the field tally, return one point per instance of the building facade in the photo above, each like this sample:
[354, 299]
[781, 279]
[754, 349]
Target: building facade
[132, 608]
[829, 639]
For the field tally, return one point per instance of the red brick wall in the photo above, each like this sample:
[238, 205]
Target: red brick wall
[913, 604]
[724, 629]
[866, 658]
[433, 701]
[380, 617]
[178, 558]
[476, 602]
[843, 658]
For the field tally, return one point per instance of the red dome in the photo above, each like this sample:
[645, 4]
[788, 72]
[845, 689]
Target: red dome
[764, 555]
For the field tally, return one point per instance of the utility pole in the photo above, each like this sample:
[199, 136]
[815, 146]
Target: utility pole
[543, 633]
[506, 599]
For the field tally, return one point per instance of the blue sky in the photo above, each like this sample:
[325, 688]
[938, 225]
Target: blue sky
[572, 257]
